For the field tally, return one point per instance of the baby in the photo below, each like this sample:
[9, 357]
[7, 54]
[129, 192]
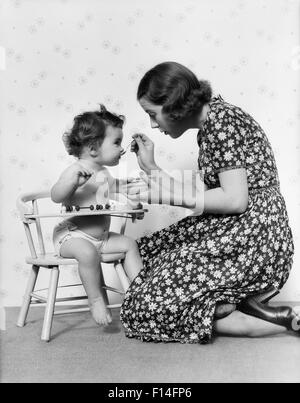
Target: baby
[96, 141]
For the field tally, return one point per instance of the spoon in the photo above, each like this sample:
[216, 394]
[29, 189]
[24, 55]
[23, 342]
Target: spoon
[126, 149]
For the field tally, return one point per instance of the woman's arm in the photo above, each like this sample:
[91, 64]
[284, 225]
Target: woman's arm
[120, 186]
[231, 197]
[163, 188]
[187, 191]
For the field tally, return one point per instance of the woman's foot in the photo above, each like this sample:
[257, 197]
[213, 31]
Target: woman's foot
[284, 316]
[99, 311]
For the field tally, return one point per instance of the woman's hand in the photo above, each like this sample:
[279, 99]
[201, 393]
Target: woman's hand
[147, 190]
[144, 149]
[139, 191]
[132, 186]
[161, 188]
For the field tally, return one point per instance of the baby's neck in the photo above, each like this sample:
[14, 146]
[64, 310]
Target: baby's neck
[89, 164]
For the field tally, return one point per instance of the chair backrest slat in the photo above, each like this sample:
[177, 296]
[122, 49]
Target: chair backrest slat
[123, 222]
[30, 240]
[38, 228]
[24, 208]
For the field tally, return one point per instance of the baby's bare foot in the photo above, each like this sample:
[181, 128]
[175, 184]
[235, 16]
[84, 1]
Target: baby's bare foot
[99, 311]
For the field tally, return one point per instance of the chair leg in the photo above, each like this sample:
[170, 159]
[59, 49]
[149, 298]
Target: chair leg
[27, 296]
[102, 282]
[49, 311]
[122, 275]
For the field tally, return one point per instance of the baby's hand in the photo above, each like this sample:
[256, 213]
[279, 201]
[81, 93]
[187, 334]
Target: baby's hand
[78, 174]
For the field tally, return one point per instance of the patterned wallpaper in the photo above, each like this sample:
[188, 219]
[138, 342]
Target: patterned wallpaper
[61, 57]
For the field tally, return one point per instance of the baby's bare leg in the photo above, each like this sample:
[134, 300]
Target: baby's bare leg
[121, 243]
[90, 273]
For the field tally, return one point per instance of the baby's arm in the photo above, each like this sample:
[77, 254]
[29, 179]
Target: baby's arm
[72, 178]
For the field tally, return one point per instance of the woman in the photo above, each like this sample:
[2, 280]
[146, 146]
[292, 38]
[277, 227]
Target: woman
[242, 243]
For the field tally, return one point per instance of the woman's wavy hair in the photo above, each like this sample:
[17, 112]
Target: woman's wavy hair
[176, 88]
[89, 129]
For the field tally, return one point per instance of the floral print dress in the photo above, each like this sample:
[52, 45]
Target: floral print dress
[200, 261]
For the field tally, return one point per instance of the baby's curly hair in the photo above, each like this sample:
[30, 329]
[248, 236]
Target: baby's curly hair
[176, 88]
[89, 129]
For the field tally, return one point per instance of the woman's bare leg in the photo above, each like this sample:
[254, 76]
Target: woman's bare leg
[224, 309]
[89, 270]
[240, 324]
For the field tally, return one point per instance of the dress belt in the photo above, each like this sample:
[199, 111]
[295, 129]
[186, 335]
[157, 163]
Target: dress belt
[275, 187]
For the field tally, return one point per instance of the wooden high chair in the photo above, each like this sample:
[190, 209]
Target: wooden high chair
[28, 207]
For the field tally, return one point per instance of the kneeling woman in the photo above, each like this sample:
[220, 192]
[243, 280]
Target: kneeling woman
[198, 270]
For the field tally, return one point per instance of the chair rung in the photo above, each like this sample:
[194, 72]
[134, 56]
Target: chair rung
[37, 302]
[114, 306]
[74, 310]
[44, 300]
[71, 298]
[60, 286]
[38, 297]
[78, 310]
[70, 285]
[106, 287]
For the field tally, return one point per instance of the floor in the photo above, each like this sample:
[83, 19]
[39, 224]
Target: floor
[82, 352]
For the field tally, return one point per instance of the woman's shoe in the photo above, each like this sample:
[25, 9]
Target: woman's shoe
[282, 315]
[266, 295]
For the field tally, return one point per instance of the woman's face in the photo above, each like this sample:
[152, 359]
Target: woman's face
[160, 120]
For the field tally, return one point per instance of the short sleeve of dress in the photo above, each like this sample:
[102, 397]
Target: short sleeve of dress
[226, 140]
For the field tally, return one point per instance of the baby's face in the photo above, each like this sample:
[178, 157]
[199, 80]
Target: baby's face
[110, 151]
